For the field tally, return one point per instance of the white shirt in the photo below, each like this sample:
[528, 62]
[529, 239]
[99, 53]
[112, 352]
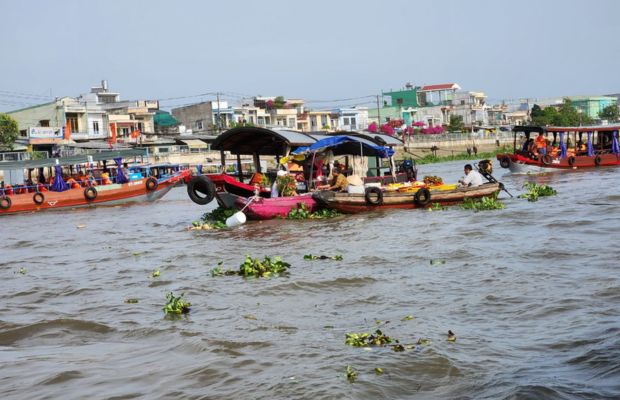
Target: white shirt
[473, 179]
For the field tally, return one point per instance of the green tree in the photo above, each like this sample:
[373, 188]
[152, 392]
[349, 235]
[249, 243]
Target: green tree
[610, 113]
[279, 102]
[537, 115]
[456, 124]
[8, 131]
[564, 115]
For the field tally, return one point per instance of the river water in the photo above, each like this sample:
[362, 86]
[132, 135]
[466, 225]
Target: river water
[532, 293]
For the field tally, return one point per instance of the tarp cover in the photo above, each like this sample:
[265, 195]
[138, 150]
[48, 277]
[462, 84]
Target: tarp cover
[346, 145]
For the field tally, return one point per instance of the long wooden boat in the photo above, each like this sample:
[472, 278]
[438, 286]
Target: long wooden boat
[589, 147]
[259, 208]
[140, 187]
[374, 199]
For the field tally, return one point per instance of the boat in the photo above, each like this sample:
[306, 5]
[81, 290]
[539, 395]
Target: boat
[260, 208]
[374, 198]
[107, 186]
[572, 148]
[256, 201]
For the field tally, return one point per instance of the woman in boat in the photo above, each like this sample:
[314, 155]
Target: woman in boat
[105, 179]
[339, 182]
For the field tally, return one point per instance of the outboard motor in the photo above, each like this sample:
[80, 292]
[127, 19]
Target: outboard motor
[409, 167]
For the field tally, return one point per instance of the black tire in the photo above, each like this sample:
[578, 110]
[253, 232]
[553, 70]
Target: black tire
[505, 162]
[38, 198]
[597, 160]
[370, 193]
[151, 183]
[571, 161]
[5, 202]
[201, 190]
[90, 193]
[422, 197]
[546, 159]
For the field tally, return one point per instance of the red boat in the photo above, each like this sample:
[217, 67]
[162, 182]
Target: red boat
[571, 148]
[139, 186]
[259, 208]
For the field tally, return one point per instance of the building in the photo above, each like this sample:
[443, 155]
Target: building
[350, 119]
[593, 105]
[99, 115]
[205, 117]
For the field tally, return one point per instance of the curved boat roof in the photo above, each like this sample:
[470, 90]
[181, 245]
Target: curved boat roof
[251, 139]
[73, 160]
[592, 128]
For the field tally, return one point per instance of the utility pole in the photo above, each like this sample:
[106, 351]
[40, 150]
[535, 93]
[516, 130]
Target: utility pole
[378, 112]
[218, 113]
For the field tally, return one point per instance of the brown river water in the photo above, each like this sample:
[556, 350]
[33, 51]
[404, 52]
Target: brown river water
[532, 293]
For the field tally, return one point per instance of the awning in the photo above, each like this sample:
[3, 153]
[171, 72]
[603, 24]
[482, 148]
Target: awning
[195, 144]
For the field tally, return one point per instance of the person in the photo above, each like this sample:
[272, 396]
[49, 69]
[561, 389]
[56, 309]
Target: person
[541, 144]
[285, 184]
[105, 179]
[339, 181]
[257, 178]
[472, 178]
[274, 187]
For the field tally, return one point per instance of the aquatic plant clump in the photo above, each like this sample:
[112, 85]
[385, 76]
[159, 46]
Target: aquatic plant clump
[535, 191]
[253, 267]
[176, 305]
[366, 339]
[215, 219]
[337, 257]
[485, 203]
[301, 212]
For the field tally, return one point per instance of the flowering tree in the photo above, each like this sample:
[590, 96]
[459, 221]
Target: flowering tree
[372, 127]
[387, 129]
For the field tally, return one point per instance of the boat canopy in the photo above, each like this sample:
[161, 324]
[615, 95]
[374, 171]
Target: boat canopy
[596, 128]
[347, 145]
[261, 141]
[73, 160]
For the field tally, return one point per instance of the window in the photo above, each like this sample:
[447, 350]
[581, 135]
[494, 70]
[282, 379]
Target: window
[353, 123]
[140, 126]
[72, 121]
[323, 120]
[96, 127]
[198, 125]
[45, 123]
[346, 121]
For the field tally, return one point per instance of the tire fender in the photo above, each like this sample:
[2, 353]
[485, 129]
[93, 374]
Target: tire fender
[90, 193]
[201, 189]
[370, 193]
[151, 184]
[422, 197]
[38, 198]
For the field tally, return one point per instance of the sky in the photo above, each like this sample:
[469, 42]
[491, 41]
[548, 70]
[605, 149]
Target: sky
[330, 53]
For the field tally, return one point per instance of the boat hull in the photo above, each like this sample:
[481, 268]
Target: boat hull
[107, 195]
[352, 203]
[519, 164]
[276, 207]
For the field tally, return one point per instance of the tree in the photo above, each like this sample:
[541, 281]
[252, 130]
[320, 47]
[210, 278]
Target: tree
[610, 113]
[456, 124]
[8, 131]
[564, 115]
[279, 102]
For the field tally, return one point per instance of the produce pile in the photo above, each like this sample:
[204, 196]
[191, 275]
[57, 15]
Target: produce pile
[433, 180]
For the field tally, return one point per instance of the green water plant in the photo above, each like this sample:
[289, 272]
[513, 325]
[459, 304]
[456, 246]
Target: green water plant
[256, 268]
[337, 257]
[366, 339]
[534, 191]
[155, 274]
[176, 305]
[300, 212]
[485, 203]
[215, 219]
[351, 374]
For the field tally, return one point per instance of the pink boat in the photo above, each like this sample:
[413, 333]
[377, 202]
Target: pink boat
[261, 208]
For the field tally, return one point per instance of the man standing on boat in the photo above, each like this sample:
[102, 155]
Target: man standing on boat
[472, 178]
[541, 144]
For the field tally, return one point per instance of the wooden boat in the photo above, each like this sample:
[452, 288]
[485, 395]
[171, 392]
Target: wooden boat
[139, 187]
[255, 141]
[375, 199]
[259, 208]
[599, 149]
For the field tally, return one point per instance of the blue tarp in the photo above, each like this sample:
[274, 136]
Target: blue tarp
[120, 175]
[563, 150]
[614, 143]
[589, 146]
[347, 145]
[59, 184]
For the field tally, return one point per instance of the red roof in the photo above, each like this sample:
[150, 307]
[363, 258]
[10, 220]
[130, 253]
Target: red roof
[443, 86]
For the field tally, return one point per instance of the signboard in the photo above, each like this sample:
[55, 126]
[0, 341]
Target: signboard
[40, 132]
